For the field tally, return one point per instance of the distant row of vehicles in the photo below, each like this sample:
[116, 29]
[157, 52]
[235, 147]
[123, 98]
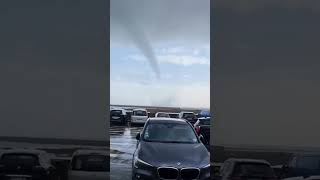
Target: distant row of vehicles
[31, 164]
[140, 115]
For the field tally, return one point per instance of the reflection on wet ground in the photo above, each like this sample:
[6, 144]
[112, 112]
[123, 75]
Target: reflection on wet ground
[122, 146]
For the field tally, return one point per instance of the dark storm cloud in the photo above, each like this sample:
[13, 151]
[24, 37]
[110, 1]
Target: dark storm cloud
[53, 79]
[164, 21]
[266, 72]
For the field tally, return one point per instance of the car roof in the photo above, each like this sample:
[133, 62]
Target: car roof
[165, 119]
[23, 151]
[117, 109]
[248, 160]
[187, 112]
[139, 109]
[90, 152]
[162, 112]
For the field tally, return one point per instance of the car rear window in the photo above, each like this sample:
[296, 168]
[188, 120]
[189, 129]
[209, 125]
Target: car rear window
[204, 122]
[188, 115]
[163, 115]
[116, 112]
[254, 170]
[174, 115]
[28, 160]
[90, 163]
[139, 113]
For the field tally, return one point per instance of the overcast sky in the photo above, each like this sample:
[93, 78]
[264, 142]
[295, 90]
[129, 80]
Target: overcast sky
[169, 39]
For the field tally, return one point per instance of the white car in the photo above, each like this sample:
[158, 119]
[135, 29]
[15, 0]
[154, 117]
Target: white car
[89, 164]
[162, 114]
[139, 116]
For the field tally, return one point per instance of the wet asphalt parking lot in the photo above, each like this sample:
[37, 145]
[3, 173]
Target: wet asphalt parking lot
[122, 145]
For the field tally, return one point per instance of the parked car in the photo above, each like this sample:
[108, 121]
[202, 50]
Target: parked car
[26, 164]
[189, 116]
[139, 116]
[303, 164]
[118, 115]
[204, 113]
[162, 114]
[246, 169]
[169, 148]
[202, 127]
[174, 115]
[89, 164]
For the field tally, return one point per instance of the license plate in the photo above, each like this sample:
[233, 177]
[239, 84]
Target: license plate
[115, 117]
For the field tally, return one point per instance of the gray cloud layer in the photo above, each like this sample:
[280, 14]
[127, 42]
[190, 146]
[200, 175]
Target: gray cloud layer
[164, 21]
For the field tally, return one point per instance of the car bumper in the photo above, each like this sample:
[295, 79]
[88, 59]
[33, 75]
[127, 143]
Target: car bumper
[141, 174]
[118, 120]
[138, 121]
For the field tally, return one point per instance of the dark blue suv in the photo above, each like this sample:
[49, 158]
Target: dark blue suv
[303, 165]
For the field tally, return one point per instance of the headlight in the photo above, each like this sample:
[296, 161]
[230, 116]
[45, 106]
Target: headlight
[138, 162]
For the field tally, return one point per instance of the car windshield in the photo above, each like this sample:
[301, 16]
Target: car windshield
[309, 162]
[169, 132]
[29, 160]
[253, 170]
[139, 113]
[90, 163]
[204, 121]
[163, 115]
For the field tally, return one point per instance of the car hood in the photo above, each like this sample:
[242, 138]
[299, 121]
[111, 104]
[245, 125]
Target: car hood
[173, 154]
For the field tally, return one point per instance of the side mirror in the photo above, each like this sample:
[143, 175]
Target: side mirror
[138, 136]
